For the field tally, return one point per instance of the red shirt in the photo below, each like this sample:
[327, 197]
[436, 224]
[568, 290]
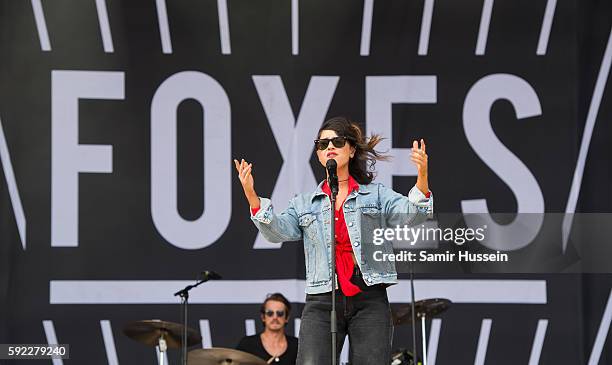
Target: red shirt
[344, 249]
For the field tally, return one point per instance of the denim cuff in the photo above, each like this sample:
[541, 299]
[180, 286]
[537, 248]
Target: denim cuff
[264, 214]
[423, 204]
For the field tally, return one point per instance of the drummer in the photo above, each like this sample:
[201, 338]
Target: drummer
[273, 345]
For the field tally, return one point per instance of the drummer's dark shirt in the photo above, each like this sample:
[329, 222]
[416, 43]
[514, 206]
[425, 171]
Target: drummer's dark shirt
[253, 345]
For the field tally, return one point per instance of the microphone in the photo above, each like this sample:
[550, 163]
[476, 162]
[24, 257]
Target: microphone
[332, 179]
[209, 275]
[204, 277]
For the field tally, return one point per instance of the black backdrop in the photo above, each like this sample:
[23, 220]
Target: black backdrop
[118, 237]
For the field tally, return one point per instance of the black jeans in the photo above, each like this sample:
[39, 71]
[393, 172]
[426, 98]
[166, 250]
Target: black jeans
[365, 318]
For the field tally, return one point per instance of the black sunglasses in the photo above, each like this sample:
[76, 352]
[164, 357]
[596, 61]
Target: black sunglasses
[338, 142]
[270, 313]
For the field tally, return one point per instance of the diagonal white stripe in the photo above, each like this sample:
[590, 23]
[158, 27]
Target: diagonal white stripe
[366, 27]
[249, 327]
[5, 158]
[41, 25]
[483, 31]
[51, 339]
[483, 341]
[109, 342]
[107, 39]
[538, 342]
[164, 28]
[602, 333]
[344, 353]
[205, 333]
[425, 27]
[549, 14]
[434, 338]
[224, 32]
[296, 324]
[600, 86]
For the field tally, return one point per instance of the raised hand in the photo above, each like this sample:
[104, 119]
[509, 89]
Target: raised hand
[419, 157]
[246, 179]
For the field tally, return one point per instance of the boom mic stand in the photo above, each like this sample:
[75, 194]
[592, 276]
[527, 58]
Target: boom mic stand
[184, 294]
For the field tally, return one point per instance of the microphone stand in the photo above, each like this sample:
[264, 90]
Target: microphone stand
[415, 356]
[184, 294]
[333, 184]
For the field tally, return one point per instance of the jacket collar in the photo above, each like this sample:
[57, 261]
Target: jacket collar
[363, 189]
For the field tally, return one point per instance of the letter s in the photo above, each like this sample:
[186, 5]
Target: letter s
[482, 138]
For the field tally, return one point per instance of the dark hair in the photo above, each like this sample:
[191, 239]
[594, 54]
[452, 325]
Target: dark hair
[278, 297]
[361, 166]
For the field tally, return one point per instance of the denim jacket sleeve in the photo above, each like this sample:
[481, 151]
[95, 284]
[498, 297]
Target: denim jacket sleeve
[274, 227]
[415, 207]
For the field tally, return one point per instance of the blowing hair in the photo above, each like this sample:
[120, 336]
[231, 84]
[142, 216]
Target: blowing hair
[361, 166]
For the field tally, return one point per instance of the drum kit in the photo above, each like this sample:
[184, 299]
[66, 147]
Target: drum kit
[168, 335]
[402, 315]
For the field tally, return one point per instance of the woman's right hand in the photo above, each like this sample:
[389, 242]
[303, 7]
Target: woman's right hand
[246, 179]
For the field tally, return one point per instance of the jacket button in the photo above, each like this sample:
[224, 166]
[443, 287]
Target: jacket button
[356, 243]
[350, 224]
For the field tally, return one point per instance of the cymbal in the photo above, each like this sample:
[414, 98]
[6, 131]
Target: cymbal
[402, 314]
[148, 332]
[222, 356]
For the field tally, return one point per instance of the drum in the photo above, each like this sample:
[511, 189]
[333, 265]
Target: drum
[403, 357]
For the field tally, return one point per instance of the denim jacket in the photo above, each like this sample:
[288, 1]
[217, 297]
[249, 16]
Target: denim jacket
[308, 217]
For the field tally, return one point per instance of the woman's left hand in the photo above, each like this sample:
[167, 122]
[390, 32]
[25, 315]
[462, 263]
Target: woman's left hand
[419, 157]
